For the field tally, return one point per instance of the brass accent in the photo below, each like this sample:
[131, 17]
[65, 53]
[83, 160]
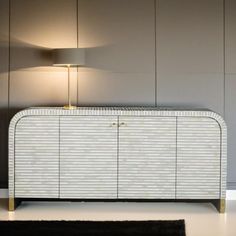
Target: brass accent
[122, 124]
[11, 206]
[222, 206]
[69, 107]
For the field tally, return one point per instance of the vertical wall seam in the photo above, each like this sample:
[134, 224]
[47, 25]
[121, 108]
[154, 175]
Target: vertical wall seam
[224, 61]
[77, 23]
[176, 156]
[9, 76]
[77, 45]
[155, 43]
[9, 59]
[59, 154]
[118, 149]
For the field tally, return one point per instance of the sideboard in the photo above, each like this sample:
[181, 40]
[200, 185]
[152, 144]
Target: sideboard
[117, 154]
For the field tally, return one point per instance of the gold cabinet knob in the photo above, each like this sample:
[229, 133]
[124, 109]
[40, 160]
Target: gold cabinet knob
[113, 124]
[122, 124]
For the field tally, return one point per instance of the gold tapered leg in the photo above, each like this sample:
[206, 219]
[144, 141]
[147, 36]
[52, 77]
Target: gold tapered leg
[11, 206]
[13, 203]
[220, 205]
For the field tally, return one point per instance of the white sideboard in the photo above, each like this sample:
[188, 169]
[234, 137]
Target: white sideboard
[117, 153]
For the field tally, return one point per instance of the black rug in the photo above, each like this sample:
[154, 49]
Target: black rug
[96, 228]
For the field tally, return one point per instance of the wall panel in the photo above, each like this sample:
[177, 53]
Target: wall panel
[190, 53]
[231, 124]
[230, 87]
[37, 26]
[120, 59]
[230, 37]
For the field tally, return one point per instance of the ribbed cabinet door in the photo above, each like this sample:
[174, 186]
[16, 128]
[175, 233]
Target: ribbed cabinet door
[198, 158]
[88, 157]
[37, 157]
[147, 157]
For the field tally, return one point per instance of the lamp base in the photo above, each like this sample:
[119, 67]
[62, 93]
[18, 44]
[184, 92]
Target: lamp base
[69, 107]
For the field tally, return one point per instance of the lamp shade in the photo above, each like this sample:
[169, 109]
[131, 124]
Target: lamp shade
[69, 56]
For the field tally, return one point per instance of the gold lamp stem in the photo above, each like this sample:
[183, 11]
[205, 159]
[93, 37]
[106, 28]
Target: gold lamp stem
[69, 100]
[69, 106]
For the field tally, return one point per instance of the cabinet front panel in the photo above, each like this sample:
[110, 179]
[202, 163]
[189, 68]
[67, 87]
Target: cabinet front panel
[88, 157]
[37, 157]
[198, 158]
[147, 157]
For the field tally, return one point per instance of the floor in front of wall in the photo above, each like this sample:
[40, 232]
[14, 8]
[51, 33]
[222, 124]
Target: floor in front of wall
[201, 219]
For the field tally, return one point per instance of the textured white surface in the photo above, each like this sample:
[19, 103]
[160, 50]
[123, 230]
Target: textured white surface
[37, 157]
[88, 157]
[119, 111]
[198, 158]
[147, 157]
[230, 194]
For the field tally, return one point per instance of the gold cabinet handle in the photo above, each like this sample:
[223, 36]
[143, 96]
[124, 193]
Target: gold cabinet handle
[113, 124]
[122, 124]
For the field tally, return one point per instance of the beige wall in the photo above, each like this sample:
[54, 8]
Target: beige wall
[37, 26]
[190, 53]
[139, 52]
[120, 36]
[230, 88]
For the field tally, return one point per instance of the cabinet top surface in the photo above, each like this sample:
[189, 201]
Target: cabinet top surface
[125, 108]
[118, 110]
